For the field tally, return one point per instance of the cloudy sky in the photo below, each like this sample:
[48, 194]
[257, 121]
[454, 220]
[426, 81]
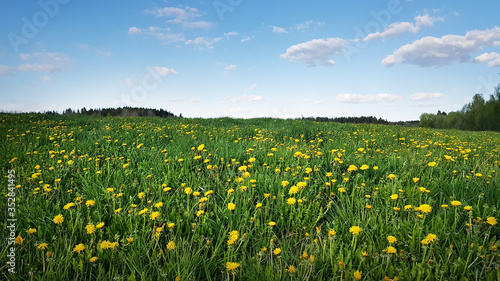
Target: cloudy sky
[393, 59]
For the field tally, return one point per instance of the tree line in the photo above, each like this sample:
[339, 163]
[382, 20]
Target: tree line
[478, 115]
[121, 111]
[362, 119]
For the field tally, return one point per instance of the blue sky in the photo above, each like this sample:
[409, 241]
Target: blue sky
[392, 59]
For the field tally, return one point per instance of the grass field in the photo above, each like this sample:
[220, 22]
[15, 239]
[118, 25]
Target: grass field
[262, 199]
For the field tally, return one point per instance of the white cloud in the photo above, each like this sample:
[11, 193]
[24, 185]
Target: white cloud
[315, 51]
[134, 30]
[238, 110]
[426, 96]
[47, 79]
[232, 33]
[277, 29]
[48, 57]
[252, 87]
[242, 99]
[181, 16]
[399, 28]
[355, 98]
[194, 100]
[199, 41]
[446, 50]
[39, 67]
[246, 38]
[129, 82]
[231, 66]
[493, 58]
[5, 70]
[163, 71]
[308, 24]
[177, 13]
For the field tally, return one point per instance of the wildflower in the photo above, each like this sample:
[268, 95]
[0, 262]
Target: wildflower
[357, 275]
[58, 219]
[425, 208]
[232, 266]
[159, 205]
[291, 269]
[491, 220]
[392, 239]
[468, 208]
[431, 237]
[125, 165]
[456, 203]
[391, 250]
[140, 195]
[69, 205]
[31, 230]
[154, 215]
[171, 245]
[188, 191]
[201, 147]
[90, 203]
[170, 225]
[100, 225]
[341, 190]
[117, 211]
[364, 167]
[408, 207]
[394, 196]
[444, 206]
[277, 251]
[391, 176]
[432, 164]
[200, 213]
[258, 205]
[291, 201]
[355, 230]
[231, 206]
[93, 259]
[415, 180]
[78, 248]
[130, 240]
[284, 183]
[90, 228]
[352, 168]
[293, 189]
[19, 240]
[332, 232]
[42, 246]
[271, 223]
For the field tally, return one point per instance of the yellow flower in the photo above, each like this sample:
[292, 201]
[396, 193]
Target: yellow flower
[364, 167]
[42, 246]
[90, 203]
[431, 237]
[357, 275]
[19, 240]
[143, 211]
[332, 232]
[425, 208]
[415, 180]
[93, 259]
[394, 196]
[391, 176]
[456, 203]
[352, 168]
[231, 206]
[468, 208]
[201, 147]
[258, 205]
[277, 251]
[284, 183]
[100, 225]
[31, 230]
[171, 225]
[491, 220]
[154, 215]
[125, 165]
[188, 191]
[432, 164]
[140, 145]
[291, 201]
[117, 211]
[232, 266]
[355, 230]
[293, 189]
[130, 240]
[78, 248]
[341, 190]
[159, 205]
[271, 223]
[140, 195]
[171, 245]
[392, 239]
[69, 205]
[90, 228]
[199, 213]
[58, 219]
[291, 269]
[391, 250]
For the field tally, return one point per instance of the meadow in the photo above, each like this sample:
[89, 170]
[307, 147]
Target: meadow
[109, 198]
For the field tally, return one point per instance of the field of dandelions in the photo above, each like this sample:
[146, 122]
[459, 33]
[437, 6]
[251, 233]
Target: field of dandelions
[108, 198]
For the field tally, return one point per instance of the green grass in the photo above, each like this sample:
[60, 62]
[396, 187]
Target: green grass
[126, 165]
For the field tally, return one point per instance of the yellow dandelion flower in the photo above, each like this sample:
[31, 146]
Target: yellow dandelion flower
[232, 266]
[100, 225]
[231, 206]
[491, 220]
[392, 239]
[357, 275]
[31, 230]
[90, 228]
[42, 246]
[58, 219]
[355, 230]
[171, 245]
[456, 203]
[291, 201]
[271, 223]
[79, 248]
[154, 215]
[93, 259]
[277, 251]
[19, 240]
[69, 205]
